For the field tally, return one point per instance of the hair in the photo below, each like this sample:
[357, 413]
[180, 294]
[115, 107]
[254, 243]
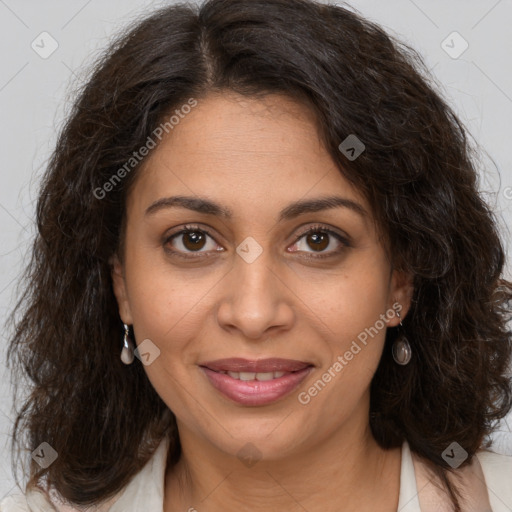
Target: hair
[105, 419]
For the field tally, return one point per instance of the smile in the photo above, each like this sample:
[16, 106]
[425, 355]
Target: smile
[248, 376]
[270, 380]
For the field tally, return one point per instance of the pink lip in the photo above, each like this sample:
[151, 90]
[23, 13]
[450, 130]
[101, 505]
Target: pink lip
[254, 392]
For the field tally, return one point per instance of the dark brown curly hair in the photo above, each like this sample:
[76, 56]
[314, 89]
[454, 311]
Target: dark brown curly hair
[105, 419]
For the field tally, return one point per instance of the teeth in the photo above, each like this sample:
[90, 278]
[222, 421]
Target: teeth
[255, 376]
[265, 376]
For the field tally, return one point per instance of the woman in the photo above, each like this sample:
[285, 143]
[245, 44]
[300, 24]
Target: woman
[269, 202]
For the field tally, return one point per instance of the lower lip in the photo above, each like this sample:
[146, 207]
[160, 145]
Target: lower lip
[255, 392]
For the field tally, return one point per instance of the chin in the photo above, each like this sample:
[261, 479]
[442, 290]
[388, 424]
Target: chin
[264, 439]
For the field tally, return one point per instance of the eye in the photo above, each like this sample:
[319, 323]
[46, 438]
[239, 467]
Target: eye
[193, 239]
[190, 239]
[320, 238]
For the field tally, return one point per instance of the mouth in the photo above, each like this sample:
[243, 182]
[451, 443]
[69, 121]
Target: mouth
[240, 365]
[251, 383]
[260, 376]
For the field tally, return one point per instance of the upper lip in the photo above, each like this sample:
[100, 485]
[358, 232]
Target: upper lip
[238, 364]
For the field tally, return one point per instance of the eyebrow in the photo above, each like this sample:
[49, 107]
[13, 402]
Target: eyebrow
[209, 207]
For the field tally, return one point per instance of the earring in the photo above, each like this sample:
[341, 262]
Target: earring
[401, 349]
[127, 355]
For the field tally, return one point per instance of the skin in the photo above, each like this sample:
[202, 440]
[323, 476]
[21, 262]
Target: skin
[256, 157]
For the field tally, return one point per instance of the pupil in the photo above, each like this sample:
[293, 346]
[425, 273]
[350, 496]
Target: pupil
[194, 238]
[319, 240]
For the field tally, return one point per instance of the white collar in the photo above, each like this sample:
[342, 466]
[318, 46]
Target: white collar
[146, 490]
[408, 497]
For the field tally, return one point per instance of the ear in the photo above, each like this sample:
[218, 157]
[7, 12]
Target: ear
[400, 295]
[119, 285]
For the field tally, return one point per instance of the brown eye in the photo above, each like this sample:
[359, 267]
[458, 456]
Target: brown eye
[193, 240]
[190, 240]
[318, 240]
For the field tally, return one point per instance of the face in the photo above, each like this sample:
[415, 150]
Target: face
[245, 270]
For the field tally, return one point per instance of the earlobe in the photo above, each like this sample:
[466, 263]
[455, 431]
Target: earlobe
[119, 286]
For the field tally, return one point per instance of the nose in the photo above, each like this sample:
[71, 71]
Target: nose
[255, 299]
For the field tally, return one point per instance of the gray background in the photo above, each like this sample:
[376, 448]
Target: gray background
[35, 94]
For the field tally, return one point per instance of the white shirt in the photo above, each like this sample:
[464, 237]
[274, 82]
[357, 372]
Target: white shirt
[145, 492]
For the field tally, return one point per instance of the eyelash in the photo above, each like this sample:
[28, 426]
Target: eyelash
[313, 229]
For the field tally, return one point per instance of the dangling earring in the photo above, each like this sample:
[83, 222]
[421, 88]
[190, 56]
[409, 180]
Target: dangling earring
[401, 349]
[127, 354]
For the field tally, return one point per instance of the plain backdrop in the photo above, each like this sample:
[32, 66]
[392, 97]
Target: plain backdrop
[466, 43]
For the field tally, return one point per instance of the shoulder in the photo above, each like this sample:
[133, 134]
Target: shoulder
[144, 492]
[21, 503]
[493, 462]
[484, 484]
[14, 503]
[497, 470]
[33, 501]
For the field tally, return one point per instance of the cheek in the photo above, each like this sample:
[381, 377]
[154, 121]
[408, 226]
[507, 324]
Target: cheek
[353, 306]
[349, 302]
[170, 307]
[354, 349]
[168, 311]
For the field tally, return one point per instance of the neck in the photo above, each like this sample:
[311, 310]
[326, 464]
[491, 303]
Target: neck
[347, 469]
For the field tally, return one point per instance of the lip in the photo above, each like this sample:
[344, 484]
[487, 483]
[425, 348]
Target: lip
[255, 392]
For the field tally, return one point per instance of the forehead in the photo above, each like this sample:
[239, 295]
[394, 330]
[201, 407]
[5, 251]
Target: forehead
[253, 151]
